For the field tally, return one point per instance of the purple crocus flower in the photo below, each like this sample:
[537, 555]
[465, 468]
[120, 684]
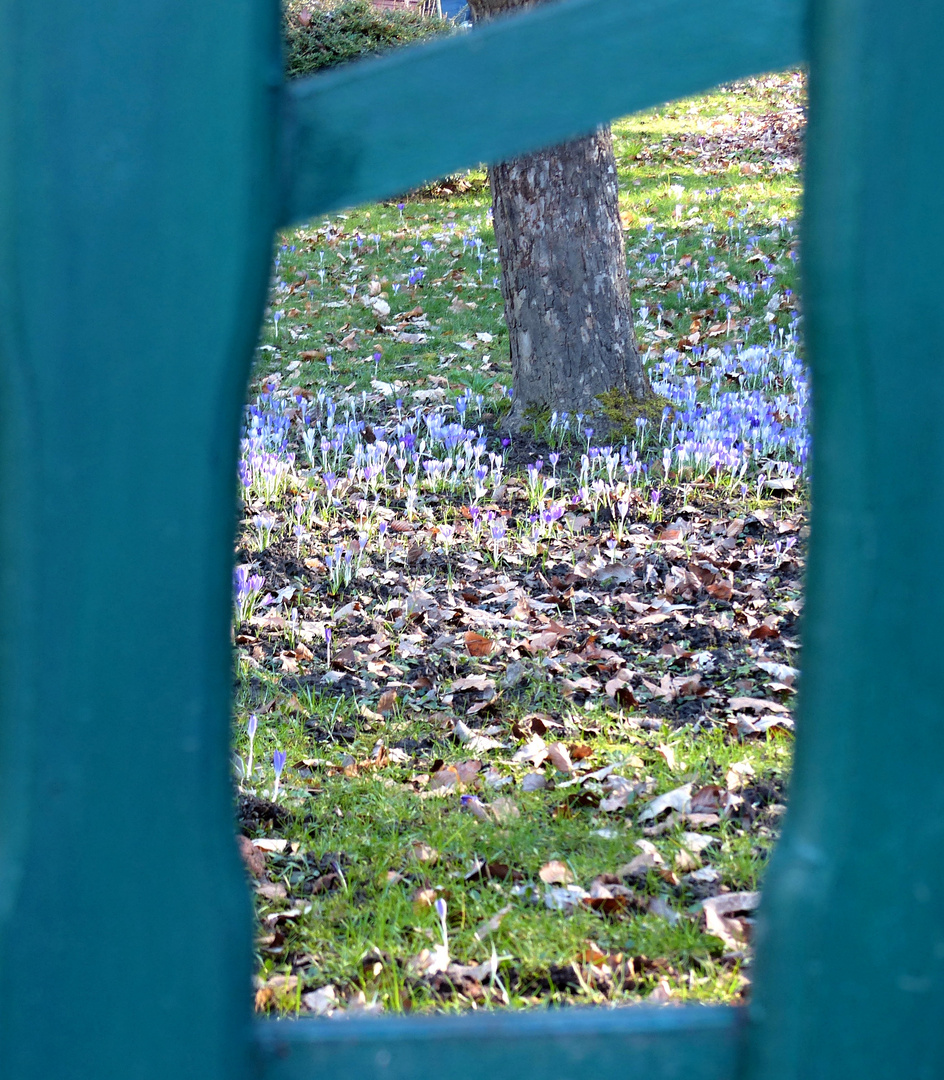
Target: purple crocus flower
[278, 763]
[251, 729]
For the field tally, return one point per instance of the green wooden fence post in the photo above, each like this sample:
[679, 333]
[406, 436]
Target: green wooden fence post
[136, 213]
[851, 961]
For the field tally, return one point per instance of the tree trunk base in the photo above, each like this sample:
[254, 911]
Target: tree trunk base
[567, 299]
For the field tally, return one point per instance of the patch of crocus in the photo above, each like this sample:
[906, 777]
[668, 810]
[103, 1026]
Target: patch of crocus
[265, 524]
[247, 589]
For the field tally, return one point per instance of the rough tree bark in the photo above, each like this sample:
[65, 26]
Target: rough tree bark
[563, 272]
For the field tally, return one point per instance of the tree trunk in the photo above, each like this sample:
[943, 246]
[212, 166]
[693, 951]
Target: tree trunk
[563, 272]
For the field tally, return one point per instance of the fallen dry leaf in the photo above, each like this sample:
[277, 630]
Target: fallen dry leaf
[388, 700]
[679, 799]
[272, 890]
[637, 867]
[444, 778]
[274, 844]
[477, 645]
[534, 781]
[669, 754]
[473, 740]
[252, 856]
[559, 757]
[535, 751]
[720, 912]
[321, 1002]
[686, 860]
[275, 989]
[757, 705]
[424, 898]
[422, 852]
[720, 590]
[556, 873]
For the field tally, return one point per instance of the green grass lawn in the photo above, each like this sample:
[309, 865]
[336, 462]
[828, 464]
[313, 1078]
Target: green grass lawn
[483, 673]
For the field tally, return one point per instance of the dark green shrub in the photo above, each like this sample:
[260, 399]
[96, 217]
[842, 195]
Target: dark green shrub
[321, 35]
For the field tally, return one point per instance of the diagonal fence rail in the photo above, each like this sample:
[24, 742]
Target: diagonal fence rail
[371, 130]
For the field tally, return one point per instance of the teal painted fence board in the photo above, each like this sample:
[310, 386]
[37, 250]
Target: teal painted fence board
[147, 151]
[136, 213]
[850, 979]
[689, 1043]
[372, 130]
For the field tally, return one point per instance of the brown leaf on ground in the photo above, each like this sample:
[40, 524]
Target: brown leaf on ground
[609, 905]
[686, 860]
[668, 753]
[473, 741]
[662, 993]
[477, 644]
[534, 782]
[325, 883]
[706, 799]
[757, 705]
[556, 873]
[321, 1002]
[422, 852]
[543, 642]
[560, 758]
[388, 700]
[678, 799]
[720, 920]
[444, 778]
[474, 682]
[275, 990]
[253, 859]
[619, 793]
[638, 867]
[535, 751]
[493, 871]
[467, 771]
